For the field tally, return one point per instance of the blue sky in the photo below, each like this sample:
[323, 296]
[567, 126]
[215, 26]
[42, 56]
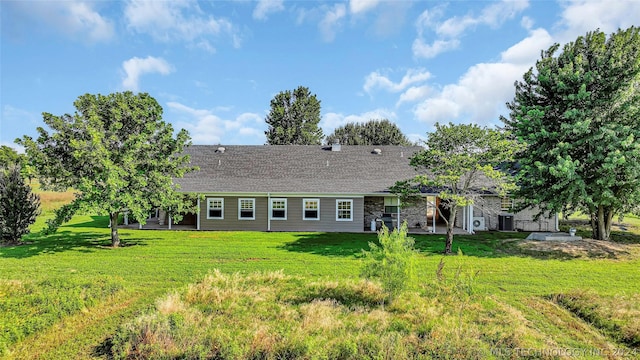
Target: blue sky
[215, 66]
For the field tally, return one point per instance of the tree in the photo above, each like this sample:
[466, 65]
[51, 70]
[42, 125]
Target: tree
[116, 151]
[461, 162]
[9, 156]
[392, 262]
[373, 132]
[19, 207]
[577, 114]
[294, 118]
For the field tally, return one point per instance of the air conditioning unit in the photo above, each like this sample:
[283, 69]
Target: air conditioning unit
[478, 223]
[506, 223]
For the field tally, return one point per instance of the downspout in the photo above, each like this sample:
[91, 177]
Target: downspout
[269, 207]
[198, 214]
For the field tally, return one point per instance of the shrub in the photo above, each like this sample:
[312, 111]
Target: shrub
[18, 206]
[392, 262]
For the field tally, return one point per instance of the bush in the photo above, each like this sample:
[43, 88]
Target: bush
[392, 262]
[18, 206]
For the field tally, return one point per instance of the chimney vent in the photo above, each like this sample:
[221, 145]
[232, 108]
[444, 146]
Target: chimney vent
[220, 149]
[377, 151]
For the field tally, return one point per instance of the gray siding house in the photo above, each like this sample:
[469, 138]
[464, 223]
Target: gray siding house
[314, 188]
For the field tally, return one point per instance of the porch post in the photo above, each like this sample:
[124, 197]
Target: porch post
[198, 215]
[139, 226]
[470, 223]
[464, 218]
[435, 214]
[269, 207]
[169, 222]
[398, 224]
[126, 218]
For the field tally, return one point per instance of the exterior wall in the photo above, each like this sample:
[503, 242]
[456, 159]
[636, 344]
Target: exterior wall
[415, 215]
[294, 222]
[523, 220]
[373, 209]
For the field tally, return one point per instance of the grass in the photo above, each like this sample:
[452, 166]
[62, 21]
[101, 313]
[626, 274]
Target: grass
[493, 296]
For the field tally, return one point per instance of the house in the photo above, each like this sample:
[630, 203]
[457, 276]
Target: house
[316, 188]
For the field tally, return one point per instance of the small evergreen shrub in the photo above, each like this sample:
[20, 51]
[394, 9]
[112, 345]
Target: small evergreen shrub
[19, 207]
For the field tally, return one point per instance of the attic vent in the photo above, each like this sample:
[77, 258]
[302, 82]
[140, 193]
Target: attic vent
[220, 149]
[335, 147]
[377, 151]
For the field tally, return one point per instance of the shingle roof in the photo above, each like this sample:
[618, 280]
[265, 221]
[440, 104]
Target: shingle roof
[297, 169]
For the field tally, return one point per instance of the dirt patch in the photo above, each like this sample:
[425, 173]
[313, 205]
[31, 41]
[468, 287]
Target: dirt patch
[585, 248]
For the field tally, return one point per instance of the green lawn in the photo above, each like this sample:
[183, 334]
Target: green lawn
[105, 288]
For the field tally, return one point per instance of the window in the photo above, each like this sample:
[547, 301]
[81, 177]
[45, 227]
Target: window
[246, 209]
[279, 209]
[506, 203]
[344, 210]
[310, 209]
[215, 208]
[391, 205]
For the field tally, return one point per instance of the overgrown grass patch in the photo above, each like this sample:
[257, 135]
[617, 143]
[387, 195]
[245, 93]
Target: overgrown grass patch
[271, 315]
[27, 307]
[617, 316]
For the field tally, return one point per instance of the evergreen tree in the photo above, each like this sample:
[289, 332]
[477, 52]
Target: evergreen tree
[294, 118]
[373, 132]
[18, 205]
[577, 114]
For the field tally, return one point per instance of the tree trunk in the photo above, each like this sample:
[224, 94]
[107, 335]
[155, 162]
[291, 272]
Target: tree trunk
[450, 224]
[115, 239]
[601, 223]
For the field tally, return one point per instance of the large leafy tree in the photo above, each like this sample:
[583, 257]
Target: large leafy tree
[19, 207]
[9, 155]
[116, 151]
[578, 113]
[460, 163]
[373, 132]
[294, 118]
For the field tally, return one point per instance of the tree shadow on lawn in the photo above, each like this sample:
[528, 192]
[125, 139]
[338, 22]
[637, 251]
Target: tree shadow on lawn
[489, 244]
[330, 244]
[350, 244]
[101, 222]
[84, 242]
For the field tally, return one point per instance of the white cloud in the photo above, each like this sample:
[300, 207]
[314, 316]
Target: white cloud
[206, 127]
[266, 7]
[332, 22]
[480, 94]
[414, 93]
[426, 51]
[332, 120]
[362, 6]
[377, 80]
[74, 18]
[581, 16]
[135, 67]
[178, 20]
[449, 31]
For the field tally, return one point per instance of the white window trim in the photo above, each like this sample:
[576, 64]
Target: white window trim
[304, 217]
[271, 208]
[253, 201]
[338, 201]
[511, 203]
[209, 200]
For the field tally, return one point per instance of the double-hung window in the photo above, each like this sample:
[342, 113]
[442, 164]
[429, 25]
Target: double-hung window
[215, 208]
[279, 209]
[310, 209]
[344, 210]
[506, 203]
[246, 209]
